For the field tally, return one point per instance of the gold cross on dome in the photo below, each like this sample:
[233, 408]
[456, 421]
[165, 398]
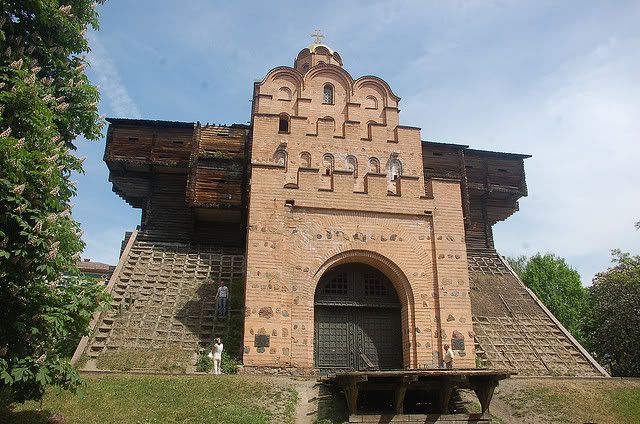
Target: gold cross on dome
[318, 35]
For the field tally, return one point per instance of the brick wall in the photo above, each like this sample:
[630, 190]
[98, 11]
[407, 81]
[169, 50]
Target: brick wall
[319, 199]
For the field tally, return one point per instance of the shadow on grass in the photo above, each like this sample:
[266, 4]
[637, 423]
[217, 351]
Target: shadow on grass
[332, 407]
[7, 416]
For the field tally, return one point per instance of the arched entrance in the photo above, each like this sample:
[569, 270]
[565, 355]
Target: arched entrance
[357, 320]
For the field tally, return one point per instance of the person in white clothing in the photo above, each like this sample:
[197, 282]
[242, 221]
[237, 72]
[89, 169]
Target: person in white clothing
[223, 297]
[216, 351]
[448, 357]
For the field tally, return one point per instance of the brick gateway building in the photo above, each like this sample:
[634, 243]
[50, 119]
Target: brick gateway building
[357, 244]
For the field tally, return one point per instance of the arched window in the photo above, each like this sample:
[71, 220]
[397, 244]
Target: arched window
[395, 169]
[327, 163]
[374, 165]
[328, 94]
[352, 165]
[280, 157]
[305, 160]
[305, 68]
[283, 124]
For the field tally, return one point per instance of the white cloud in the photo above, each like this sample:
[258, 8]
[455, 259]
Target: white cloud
[108, 78]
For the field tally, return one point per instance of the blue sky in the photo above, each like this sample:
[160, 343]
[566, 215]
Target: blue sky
[558, 80]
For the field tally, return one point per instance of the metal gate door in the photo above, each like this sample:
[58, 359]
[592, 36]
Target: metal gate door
[357, 321]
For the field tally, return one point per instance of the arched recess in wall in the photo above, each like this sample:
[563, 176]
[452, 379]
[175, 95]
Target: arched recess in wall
[394, 169]
[286, 74]
[379, 85]
[284, 122]
[370, 102]
[352, 165]
[328, 163]
[284, 93]
[335, 74]
[329, 120]
[305, 160]
[397, 278]
[374, 165]
[369, 130]
[280, 158]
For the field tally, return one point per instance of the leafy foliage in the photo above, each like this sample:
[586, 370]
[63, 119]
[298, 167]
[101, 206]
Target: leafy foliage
[558, 286]
[229, 364]
[46, 101]
[518, 264]
[615, 315]
[204, 363]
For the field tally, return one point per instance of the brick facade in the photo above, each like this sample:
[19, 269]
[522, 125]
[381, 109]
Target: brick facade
[334, 180]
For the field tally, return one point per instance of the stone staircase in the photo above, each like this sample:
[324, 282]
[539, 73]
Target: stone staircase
[513, 330]
[163, 298]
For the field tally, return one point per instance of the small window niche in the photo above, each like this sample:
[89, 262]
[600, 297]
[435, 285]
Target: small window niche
[371, 102]
[285, 94]
[305, 160]
[280, 158]
[394, 172]
[326, 178]
[327, 97]
[374, 165]
[352, 165]
[283, 123]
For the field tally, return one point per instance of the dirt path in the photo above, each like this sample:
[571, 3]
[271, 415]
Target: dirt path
[308, 394]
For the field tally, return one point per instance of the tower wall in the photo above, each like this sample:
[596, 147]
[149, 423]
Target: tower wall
[344, 183]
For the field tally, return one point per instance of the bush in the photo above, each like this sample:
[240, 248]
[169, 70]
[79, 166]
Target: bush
[229, 364]
[204, 363]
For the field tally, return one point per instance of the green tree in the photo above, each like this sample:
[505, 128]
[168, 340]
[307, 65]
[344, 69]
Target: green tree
[614, 324]
[46, 101]
[518, 264]
[558, 286]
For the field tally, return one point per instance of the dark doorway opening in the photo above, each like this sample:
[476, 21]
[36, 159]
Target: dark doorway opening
[357, 321]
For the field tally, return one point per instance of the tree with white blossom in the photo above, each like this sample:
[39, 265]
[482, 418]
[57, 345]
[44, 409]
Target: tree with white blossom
[46, 101]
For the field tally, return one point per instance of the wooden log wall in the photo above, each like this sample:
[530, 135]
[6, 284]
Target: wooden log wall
[167, 216]
[172, 170]
[129, 144]
[491, 184]
[218, 167]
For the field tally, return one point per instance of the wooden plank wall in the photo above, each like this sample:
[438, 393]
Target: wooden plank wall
[167, 216]
[491, 185]
[217, 167]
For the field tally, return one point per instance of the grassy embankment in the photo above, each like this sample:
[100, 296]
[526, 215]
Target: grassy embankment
[164, 399]
[568, 401]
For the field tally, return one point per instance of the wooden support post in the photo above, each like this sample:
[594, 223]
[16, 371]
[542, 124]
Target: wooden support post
[401, 391]
[351, 393]
[446, 389]
[398, 399]
[349, 385]
[484, 388]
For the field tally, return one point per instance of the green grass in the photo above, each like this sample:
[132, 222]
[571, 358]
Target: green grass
[576, 401]
[168, 359]
[626, 402]
[165, 399]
